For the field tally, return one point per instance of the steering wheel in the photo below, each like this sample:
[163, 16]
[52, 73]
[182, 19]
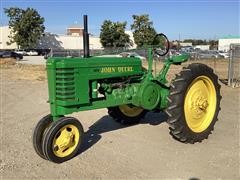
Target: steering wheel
[162, 44]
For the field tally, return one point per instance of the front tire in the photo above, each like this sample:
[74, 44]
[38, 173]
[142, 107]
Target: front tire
[194, 103]
[38, 134]
[63, 139]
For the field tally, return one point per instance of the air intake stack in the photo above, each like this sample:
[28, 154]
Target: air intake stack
[85, 37]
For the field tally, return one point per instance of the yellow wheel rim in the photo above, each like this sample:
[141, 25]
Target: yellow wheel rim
[130, 111]
[200, 104]
[66, 140]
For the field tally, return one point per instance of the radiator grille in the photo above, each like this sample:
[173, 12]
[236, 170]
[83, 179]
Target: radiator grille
[65, 84]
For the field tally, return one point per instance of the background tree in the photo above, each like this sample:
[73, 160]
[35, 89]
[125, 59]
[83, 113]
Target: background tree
[113, 34]
[26, 26]
[143, 31]
[196, 41]
[213, 44]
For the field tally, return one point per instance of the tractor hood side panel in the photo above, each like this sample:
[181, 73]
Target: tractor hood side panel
[69, 78]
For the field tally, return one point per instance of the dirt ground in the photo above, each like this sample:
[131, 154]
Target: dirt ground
[110, 150]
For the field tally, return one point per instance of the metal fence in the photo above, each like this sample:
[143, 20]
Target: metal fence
[234, 66]
[94, 52]
[65, 53]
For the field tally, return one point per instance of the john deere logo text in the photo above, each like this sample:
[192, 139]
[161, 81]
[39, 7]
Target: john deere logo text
[116, 69]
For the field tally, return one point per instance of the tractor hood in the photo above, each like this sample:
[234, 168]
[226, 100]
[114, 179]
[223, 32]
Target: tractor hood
[99, 67]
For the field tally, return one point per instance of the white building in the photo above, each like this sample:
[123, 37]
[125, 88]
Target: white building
[202, 47]
[224, 43]
[4, 33]
[72, 40]
[130, 33]
[53, 41]
[185, 44]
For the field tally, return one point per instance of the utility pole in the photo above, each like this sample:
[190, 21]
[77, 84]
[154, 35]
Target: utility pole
[179, 39]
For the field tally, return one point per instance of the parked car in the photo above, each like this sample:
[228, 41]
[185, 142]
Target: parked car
[109, 55]
[173, 52]
[11, 54]
[131, 54]
[32, 53]
[20, 51]
[208, 54]
[224, 54]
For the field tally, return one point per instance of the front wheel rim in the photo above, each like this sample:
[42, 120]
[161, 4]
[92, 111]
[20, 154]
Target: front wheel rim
[200, 104]
[66, 140]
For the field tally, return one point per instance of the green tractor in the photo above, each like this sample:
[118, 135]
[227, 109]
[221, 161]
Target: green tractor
[129, 91]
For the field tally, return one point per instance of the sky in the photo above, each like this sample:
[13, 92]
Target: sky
[178, 19]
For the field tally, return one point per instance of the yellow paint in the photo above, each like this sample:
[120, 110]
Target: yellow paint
[116, 69]
[66, 140]
[200, 104]
[108, 70]
[125, 69]
[130, 111]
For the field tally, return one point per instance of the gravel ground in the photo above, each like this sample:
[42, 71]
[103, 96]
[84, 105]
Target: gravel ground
[113, 151]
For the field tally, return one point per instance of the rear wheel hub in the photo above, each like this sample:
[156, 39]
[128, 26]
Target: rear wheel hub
[200, 104]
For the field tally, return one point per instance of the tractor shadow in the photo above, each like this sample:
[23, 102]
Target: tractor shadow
[107, 124]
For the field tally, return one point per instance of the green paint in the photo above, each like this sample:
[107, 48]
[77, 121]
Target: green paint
[79, 84]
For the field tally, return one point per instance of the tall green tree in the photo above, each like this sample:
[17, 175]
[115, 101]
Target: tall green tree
[113, 34]
[26, 26]
[143, 30]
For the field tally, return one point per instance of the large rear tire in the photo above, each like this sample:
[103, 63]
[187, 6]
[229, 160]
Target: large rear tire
[194, 103]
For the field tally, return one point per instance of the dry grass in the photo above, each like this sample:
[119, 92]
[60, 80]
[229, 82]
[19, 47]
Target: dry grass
[7, 61]
[24, 71]
[220, 67]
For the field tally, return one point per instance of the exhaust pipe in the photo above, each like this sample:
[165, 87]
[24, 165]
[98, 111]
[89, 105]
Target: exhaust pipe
[85, 37]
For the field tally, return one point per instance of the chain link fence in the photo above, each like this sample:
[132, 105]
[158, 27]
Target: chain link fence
[95, 52]
[234, 66]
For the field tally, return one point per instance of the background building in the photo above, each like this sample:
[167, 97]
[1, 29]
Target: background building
[4, 33]
[224, 43]
[54, 41]
[202, 47]
[185, 44]
[134, 46]
[75, 30]
[72, 40]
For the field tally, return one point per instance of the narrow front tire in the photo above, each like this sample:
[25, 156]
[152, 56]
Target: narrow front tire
[38, 134]
[63, 139]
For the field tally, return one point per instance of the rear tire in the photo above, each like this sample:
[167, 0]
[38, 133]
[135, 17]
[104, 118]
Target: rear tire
[194, 103]
[127, 114]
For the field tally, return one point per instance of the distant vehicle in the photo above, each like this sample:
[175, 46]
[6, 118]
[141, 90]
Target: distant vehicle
[20, 51]
[131, 54]
[124, 54]
[208, 54]
[224, 54]
[109, 55]
[187, 49]
[11, 54]
[32, 53]
[175, 52]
